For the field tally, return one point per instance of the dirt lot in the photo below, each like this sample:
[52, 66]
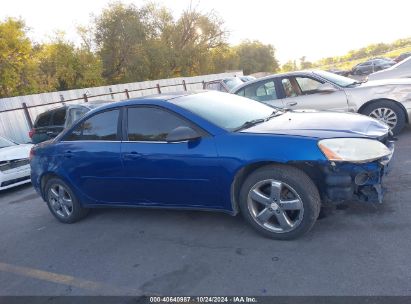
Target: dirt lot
[358, 250]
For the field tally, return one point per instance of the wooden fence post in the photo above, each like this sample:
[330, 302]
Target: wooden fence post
[127, 93]
[85, 97]
[184, 85]
[158, 88]
[27, 114]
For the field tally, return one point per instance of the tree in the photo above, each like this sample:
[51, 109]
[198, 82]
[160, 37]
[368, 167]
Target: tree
[289, 66]
[190, 39]
[255, 56]
[195, 35]
[17, 68]
[305, 65]
[223, 59]
[62, 66]
[120, 36]
[147, 43]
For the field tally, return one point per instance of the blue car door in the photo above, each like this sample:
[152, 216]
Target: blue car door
[168, 174]
[90, 157]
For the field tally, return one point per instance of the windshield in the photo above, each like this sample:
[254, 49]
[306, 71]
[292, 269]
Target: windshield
[334, 78]
[227, 111]
[231, 83]
[4, 143]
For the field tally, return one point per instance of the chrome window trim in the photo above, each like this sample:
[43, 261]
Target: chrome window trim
[124, 141]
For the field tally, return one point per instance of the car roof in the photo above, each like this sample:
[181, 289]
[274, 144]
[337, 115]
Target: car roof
[151, 99]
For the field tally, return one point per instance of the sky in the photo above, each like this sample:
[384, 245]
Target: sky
[296, 28]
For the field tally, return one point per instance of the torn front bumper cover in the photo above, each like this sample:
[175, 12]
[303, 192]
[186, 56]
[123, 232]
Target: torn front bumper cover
[352, 181]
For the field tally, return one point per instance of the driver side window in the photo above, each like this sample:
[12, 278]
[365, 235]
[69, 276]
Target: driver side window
[151, 124]
[297, 86]
[308, 85]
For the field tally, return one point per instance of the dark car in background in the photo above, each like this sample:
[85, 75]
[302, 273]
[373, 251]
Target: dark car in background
[339, 72]
[372, 65]
[50, 123]
[227, 84]
[400, 70]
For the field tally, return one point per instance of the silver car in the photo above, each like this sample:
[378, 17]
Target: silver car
[401, 70]
[386, 100]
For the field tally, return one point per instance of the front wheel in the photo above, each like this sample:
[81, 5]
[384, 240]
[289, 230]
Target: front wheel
[388, 112]
[62, 201]
[280, 202]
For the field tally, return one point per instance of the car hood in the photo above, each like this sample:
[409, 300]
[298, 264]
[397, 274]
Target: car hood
[15, 152]
[383, 82]
[322, 124]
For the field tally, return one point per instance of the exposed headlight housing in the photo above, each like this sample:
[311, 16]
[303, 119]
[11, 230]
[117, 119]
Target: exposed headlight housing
[356, 150]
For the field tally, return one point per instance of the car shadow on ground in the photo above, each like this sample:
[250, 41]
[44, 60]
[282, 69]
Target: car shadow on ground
[15, 190]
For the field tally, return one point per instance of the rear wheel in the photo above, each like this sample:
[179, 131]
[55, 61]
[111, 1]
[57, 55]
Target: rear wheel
[387, 112]
[62, 202]
[280, 202]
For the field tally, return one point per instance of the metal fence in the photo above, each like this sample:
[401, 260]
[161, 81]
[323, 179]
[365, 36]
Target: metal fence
[17, 114]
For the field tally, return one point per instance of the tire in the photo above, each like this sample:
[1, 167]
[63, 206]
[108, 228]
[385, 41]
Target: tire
[259, 202]
[390, 108]
[62, 201]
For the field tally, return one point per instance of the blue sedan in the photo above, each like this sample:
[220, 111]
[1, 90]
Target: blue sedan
[213, 151]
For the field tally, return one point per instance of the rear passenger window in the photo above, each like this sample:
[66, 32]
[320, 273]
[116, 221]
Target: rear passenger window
[261, 91]
[240, 93]
[216, 86]
[102, 126]
[59, 117]
[43, 120]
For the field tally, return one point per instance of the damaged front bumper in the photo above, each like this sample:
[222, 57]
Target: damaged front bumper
[352, 181]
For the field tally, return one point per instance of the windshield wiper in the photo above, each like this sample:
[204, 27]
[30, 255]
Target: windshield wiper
[249, 124]
[277, 112]
[356, 83]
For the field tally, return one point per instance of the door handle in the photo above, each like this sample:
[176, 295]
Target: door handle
[68, 154]
[292, 104]
[132, 155]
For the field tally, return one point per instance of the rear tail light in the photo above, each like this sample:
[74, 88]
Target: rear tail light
[31, 133]
[32, 153]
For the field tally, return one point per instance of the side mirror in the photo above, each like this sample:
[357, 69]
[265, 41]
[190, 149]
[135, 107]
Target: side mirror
[182, 134]
[326, 88]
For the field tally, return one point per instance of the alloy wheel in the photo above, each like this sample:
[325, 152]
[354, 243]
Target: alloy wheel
[275, 206]
[60, 200]
[385, 115]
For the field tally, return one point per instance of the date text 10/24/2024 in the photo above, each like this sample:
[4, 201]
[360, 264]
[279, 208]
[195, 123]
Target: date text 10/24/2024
[203, 299]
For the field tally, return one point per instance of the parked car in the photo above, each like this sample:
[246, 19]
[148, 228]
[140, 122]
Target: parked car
[213, 151]
[386, 100]
[402, 56]
[14, 163]
[339, 72]
[227, 84]
[400, 70]
[371, 66]
[50, 123]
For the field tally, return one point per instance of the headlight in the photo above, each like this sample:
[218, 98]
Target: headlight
[358, 150]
